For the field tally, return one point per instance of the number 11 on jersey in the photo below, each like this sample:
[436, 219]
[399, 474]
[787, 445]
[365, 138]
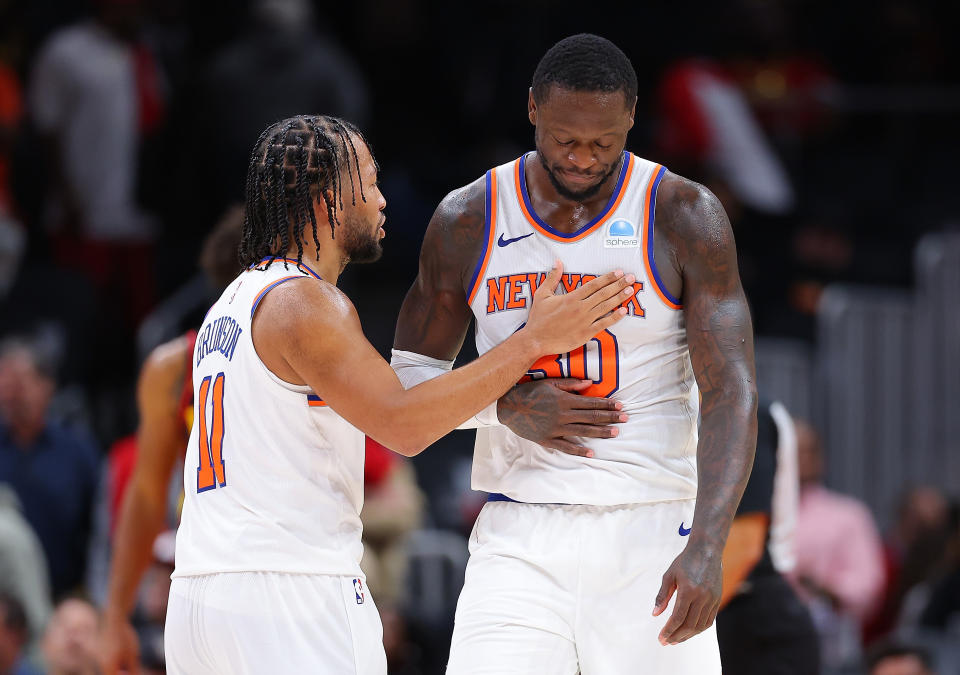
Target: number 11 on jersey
[210, 472]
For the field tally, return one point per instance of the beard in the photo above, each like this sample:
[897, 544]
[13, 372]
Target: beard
[575, 195]
[360, 244]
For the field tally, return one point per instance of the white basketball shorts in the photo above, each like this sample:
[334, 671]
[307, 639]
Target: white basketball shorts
[263, 623]
[565, 589]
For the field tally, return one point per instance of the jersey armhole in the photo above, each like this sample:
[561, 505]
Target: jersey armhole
[296, 389]
[650, 209]
[489, 229]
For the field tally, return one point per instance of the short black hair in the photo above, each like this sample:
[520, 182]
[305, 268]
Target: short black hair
[292, 163]
[893, 649]
[585, 62]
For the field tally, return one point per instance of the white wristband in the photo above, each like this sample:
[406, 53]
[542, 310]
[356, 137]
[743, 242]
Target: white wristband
[413, 369]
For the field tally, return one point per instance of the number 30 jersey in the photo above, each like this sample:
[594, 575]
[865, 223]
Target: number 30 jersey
[273, 479]
[642, 360]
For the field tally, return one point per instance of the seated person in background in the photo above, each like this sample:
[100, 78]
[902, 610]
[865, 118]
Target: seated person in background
[942, 609]
[70, 640]
[840, 571]
[53, 470]
[898, 659]
[762, 626]
[14, 635]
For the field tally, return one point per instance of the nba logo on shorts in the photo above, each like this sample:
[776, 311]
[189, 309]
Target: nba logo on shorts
[358, 590]
[621, 234]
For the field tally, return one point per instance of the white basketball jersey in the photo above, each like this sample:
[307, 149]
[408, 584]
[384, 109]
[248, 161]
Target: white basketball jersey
[273, 479]
[642, 361]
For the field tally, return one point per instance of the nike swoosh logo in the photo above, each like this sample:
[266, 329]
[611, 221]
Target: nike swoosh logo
[506, 242]
[684, 531]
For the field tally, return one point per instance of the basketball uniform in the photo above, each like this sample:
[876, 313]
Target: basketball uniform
[267, 574]
[568, 555]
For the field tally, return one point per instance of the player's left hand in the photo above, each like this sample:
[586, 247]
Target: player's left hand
[697, 577]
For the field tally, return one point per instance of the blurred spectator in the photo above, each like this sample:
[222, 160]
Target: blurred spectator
[11, 109]
[70, 639]
[14, 635]
[23, 569]
[392, 509]
[707, 121]
[899, 659]
[52, 469]
[942, 611]
[280, 66]
[95, 92]
[839, 556]
[913, 552]
[762, 626]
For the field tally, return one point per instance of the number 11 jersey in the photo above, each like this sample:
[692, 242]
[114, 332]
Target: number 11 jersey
[273, 480]
[642, 360]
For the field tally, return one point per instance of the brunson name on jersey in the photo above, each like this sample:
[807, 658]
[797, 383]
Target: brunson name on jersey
[220, 335]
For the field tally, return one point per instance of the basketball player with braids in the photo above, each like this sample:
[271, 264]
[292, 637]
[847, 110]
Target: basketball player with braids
[578, 556]
[267, 571]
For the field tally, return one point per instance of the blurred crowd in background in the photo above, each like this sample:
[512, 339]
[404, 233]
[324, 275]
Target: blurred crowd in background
[828, 130]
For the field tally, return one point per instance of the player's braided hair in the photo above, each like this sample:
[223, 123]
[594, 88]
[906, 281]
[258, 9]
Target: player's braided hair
[293, 163]
[585, 62]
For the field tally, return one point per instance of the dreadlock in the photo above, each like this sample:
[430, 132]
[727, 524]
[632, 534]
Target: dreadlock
[585, 62]
[295, 162]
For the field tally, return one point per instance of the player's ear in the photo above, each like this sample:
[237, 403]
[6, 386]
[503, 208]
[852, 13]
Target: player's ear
[633, 112]
[531, 108]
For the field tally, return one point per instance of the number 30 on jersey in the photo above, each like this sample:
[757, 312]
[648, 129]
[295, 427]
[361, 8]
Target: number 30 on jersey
[211, 472]
[598, 360]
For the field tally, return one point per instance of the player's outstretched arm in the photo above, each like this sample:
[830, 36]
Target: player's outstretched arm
[159, 443]
[316, 332]
[720, 337]
[435, 316]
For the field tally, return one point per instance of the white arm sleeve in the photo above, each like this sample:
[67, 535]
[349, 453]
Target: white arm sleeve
[413, 369]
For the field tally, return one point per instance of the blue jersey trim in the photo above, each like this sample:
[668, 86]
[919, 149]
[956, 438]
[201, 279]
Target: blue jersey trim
[650, 218]
[263, 293]
[477, 271]
[625, 161]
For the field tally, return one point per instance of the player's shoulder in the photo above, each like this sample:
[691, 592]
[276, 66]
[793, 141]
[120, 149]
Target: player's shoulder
[688, 212]
[162, 374]
[168, 360]
[455, 235]
[461, 208]
[305, 303]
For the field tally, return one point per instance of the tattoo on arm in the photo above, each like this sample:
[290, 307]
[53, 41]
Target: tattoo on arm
[720, 338]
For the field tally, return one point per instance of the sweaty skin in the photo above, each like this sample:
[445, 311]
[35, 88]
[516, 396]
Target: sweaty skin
[583, 135]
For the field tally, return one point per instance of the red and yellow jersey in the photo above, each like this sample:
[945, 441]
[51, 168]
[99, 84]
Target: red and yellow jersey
[273, 478]
[642, 361]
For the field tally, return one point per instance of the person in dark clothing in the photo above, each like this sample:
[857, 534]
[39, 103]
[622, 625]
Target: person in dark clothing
[762, 626]
[53, 470]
